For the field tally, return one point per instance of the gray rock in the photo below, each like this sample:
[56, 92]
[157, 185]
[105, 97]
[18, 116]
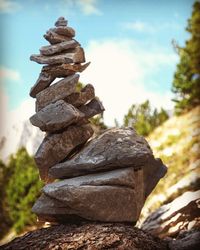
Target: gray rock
[175, 217]
[54, 38]
[75, 56]
[154, 171]
[109, 197]
[59, 47]
[115, 148]
[42, 82]
[56, 116]
[50, 73]
[93, 108]
[65, 31]
[56, 147]
[61, 22]
[188, 241]
[80, 98]
[58, 91]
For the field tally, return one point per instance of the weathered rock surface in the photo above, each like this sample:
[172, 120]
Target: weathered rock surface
[179, 215]
[56, 116]
[58, 91]
[88, 236]
[56, 147]
[115, 148]
[65, 31]
[189, 240]
[49, 73]
[59, 47]
[54, 38]
[61, 22]
[75, 56]
[80, 98]
[42, 82]
[106, 196]
[153, 172]
[93, 108]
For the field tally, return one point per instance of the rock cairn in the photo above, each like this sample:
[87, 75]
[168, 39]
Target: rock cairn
[106, 179]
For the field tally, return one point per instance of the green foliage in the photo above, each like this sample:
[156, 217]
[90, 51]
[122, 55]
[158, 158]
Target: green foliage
[186, 83]
[143, 118]
[21, 190]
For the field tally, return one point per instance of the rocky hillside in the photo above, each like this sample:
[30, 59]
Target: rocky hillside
[177, 143]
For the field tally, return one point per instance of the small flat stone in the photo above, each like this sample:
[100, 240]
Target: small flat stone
[76, 56]
[56, 147]
[108, 197]
[93, 108]
[59, 47]
[115, 148]
[50, 73]
[42, 82]
[61, 22]
[80, 98]
[54, 38]
[65, 31]
[56, 116]
[58, 91]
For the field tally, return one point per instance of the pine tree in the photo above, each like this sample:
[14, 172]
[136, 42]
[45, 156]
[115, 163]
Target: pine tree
[186, 83]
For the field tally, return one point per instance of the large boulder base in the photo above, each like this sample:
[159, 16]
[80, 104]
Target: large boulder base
[113, 196]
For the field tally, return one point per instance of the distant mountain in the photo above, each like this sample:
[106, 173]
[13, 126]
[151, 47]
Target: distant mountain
[22, 134]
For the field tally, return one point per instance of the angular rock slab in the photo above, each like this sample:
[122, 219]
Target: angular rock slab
[58, 91]
[80, 98]
[76, 56]
[56, 147]
[56, 116]
[50, 73]
[54, 38]
[59, 47]
[115, 148]
[108, 197]
[93, 108]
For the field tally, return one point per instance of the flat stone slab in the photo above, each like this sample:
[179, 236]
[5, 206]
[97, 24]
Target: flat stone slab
[54, 38]
[108, 197]
[59, 47]
[58, 91]
[76, 56]
[50, 73]
[65, 31]
[56, 116]
[78, 99]
[115, 148]
[56, 147]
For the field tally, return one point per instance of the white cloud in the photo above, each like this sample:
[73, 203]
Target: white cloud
[6, 73]
[87, 7]
[145, 27]
[8, 6]
[140, 26]
[119, 70]
[12, 126]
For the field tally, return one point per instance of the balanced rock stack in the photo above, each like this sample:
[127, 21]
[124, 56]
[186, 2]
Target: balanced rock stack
[106, 179]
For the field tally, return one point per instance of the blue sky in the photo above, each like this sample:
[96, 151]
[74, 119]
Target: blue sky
[128, 43]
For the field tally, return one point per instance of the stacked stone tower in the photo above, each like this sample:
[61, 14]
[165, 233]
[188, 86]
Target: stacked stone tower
[106, 179]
